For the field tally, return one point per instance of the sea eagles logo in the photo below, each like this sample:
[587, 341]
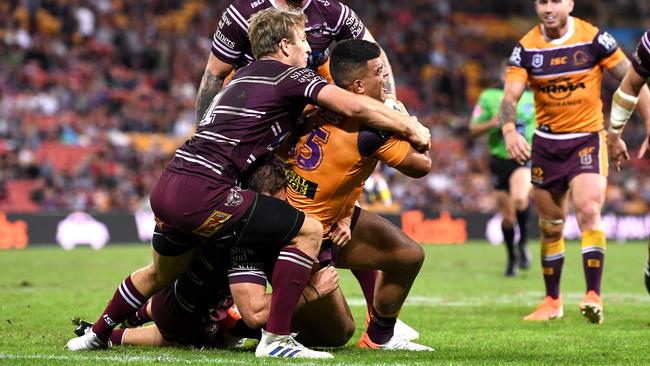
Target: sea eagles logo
[538, 60]
[234, 198]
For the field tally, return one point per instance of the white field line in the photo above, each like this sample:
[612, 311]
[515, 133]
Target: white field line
[96, 356]
[525, 298]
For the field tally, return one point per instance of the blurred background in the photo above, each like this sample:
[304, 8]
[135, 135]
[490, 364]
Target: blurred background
[96, 94]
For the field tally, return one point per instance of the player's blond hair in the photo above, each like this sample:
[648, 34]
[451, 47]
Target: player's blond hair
[270, 26]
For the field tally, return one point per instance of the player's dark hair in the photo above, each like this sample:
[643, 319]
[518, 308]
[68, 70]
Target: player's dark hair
[349, 60]
[268, 178]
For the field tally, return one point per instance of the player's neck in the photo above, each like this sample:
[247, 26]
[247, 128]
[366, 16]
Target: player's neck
[557, 33]
[289, 3]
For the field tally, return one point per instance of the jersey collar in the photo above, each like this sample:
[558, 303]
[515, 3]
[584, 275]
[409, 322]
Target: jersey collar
[303, 7]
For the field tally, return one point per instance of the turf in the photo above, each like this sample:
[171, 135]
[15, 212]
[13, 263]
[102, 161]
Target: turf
[461, 304]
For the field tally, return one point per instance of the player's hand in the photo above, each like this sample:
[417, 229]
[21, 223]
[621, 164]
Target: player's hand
[324, 281]
[340, 233]
[420, 136]
[617, 150]
[644, 148]
[517, 146]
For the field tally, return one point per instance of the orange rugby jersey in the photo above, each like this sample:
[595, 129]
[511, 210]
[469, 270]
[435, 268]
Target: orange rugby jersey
[331, 162]
[566, 74]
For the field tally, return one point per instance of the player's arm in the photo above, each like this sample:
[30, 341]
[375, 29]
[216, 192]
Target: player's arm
[390, 83]
[415, 164]
[631, 92]
[482, 119]
[254, 303]
[516, 144]
[215, 73]
[374, 114]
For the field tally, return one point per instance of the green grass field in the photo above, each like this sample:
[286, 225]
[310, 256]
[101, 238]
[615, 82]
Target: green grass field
[461, 304]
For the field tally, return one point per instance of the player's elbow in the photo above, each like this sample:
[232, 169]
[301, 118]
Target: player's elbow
[417, 166]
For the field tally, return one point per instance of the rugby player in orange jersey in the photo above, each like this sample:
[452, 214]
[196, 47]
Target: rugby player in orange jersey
[562, 60]
[328, 167]
[623, 103]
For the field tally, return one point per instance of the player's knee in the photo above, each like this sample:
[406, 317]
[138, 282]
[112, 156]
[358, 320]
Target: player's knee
[412, 255]
[340, 338]
[551, 229]
[588, 212]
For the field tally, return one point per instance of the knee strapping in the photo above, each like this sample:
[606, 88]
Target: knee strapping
[551, 227]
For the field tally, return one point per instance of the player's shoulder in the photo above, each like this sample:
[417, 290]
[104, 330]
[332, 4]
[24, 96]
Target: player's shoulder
[246, 8]
[585, 30]
[328, 6]
[533, 38]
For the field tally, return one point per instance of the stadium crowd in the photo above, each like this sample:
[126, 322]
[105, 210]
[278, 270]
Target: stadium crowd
[96, 94]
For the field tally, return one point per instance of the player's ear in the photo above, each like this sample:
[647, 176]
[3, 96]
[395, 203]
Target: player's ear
[357, 87]
[284, 46]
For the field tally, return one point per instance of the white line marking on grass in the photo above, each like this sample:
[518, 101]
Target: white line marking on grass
[118, 358]
[524, 298]
[123, 358]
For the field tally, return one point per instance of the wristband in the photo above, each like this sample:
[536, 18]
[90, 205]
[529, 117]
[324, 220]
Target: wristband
[623, 105]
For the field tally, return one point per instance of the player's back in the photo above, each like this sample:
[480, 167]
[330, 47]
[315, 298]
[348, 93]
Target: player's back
[327, 21]
[565, 75]
[247, 120]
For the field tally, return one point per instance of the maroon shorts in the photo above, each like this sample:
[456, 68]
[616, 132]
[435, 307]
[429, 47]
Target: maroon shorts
[189, 209]
[328, 251]
[179, 325]
[558, 158]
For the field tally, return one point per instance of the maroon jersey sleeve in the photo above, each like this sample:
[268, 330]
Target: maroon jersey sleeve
[302, 83]
[641, 56]
[230, 42]
[348, 25]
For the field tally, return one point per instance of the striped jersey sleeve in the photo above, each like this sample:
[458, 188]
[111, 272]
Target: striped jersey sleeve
[641, 56]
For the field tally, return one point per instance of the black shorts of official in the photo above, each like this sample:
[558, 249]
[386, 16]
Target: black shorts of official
[501, 170]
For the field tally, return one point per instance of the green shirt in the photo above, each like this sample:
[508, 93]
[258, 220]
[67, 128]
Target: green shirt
[487, 107]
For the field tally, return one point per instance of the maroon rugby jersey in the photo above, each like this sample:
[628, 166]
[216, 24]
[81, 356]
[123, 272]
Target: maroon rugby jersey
[327, 21]
[247, 121]
[641, 56]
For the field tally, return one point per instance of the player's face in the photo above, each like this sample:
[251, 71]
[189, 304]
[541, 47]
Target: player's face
[554, 13]
[375, 78]
[299, 49]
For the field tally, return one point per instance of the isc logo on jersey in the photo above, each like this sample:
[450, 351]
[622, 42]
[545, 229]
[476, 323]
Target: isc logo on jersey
[256, 3]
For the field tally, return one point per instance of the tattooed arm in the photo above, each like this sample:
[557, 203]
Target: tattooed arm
[515, 143]
[215, 73]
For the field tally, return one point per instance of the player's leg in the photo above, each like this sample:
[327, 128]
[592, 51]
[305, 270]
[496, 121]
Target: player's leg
[276, 224]
[587, 204]
[378, 244]
[646, 274]
[507, 211]
[326, 322]
[552, 209]
[143, 336]
[501, 170]
[520, 188]
[134, 291]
